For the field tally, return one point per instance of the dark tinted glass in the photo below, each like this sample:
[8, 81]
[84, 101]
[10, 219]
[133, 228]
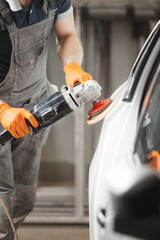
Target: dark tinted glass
[148, 140]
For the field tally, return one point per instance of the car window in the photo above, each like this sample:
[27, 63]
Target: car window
[148, 139]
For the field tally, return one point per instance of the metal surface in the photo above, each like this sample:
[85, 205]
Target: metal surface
[88, 91]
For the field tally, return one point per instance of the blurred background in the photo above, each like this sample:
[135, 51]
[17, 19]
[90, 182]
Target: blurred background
[112, 33]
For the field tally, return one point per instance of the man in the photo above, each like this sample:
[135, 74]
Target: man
[25, 27]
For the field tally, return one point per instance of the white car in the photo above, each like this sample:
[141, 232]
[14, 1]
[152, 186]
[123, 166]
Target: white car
[121, 179]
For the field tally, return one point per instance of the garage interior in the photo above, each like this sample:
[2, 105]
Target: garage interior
[112, 33]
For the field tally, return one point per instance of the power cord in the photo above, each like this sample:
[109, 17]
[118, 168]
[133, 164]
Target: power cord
[9, 218]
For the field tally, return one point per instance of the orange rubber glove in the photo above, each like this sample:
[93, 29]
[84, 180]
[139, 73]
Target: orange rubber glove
[74, 73]
[155, 160]
[13, 120]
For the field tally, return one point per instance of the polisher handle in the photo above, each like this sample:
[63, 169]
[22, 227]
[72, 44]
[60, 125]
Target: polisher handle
[5, 136]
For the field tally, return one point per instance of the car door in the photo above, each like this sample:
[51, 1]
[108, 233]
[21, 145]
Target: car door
[135, 195]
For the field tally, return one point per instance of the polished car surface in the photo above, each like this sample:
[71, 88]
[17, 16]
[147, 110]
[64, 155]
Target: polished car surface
[130, 136]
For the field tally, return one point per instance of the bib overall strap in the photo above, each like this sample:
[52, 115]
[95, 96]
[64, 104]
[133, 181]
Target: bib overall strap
[49, 5]
[2, 24]
[5, 15]
[52, 4]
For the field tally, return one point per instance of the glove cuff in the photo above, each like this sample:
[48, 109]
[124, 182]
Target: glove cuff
[3, 107]
[71, 66]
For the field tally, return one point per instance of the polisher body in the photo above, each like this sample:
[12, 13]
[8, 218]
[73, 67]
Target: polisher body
[58, 105]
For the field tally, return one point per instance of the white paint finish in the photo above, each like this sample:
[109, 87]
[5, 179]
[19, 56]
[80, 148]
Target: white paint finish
[115, 146]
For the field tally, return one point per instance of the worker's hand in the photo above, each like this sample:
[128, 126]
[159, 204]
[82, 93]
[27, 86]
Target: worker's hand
[13, 120]
[155, 160]
[74, 73]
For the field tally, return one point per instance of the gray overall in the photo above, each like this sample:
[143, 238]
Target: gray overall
[25, 86]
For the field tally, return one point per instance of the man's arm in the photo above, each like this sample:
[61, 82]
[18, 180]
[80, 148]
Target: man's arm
[69, 47]
[70, 51]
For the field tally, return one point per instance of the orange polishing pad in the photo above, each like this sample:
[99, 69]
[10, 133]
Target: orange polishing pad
[100, 109]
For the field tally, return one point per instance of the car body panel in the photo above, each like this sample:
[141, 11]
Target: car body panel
[116, 143]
